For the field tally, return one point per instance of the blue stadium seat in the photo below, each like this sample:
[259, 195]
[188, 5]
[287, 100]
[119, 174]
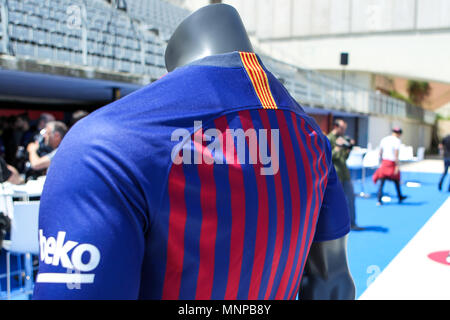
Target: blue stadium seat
[15, 5]
[125, 66]
[49, 24]
[16, 17]
[45, 53]
[74, 43]
[19, 32]
[57, 40]
[25, 49]
[40, 36]
[115, 41]
[34, 21]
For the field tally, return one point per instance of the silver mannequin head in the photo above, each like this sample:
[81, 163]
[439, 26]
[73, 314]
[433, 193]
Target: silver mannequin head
[211, 30]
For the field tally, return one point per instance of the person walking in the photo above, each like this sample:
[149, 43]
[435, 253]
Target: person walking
[389, 169]
[444, 147]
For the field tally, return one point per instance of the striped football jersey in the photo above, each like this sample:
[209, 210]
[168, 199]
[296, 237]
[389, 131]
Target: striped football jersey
[211, 183]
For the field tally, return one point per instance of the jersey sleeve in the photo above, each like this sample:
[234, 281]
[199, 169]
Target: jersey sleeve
[91, 224]
[334, 218]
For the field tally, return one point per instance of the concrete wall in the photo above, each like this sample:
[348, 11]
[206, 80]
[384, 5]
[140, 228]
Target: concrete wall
[443, 128]
[416, 56]
[360, 79]
[414, 134]
[406, 38]
[297, 18]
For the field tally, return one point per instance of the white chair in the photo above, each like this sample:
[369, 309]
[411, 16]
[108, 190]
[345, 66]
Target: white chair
[371, 160]
[406, 153]
[420, 154]
[23, 240]
[355, 162]
[355, 159]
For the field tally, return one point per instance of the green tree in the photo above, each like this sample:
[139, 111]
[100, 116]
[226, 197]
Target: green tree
[418, 91]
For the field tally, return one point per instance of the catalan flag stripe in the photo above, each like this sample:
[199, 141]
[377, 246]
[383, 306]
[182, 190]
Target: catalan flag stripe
[265, 80]
[259, 75]
[259, 80]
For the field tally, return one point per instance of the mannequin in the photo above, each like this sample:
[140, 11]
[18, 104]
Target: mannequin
[156, 228]
[218, 29]
[211, 30]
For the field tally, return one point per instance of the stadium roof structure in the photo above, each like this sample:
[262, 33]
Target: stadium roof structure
[77, 40]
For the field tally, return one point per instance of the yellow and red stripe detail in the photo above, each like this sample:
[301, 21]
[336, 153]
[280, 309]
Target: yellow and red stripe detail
[259, 80]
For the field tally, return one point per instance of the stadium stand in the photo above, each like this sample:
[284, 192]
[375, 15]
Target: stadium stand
[158, 14]
[73, 33]
[130, 36]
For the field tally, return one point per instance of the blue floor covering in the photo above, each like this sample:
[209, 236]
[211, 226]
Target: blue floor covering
[390, 226]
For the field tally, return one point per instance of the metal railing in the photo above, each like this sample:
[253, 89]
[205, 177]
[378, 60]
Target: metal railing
[313, 89]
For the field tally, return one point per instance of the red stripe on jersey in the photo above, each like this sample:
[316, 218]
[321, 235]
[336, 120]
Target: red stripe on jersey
[318, 186]
[322, 163]
[280, 215]
[175, 240]
[322, 175]
[309, 189]
[295, 202]
[236, 179]
[208, 230]
[262, 226]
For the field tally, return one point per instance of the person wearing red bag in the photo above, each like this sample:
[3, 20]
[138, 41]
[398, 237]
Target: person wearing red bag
[389, 169]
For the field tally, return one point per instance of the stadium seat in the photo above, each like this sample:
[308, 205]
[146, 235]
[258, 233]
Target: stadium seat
[25, 49]
[40, 36]
[406, 153]
[24, 240]
[34, 21]
[420, 154]
[15, 5]
[113, 38]
[45, 53]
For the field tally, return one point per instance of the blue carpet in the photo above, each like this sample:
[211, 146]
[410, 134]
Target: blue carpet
[391, 226]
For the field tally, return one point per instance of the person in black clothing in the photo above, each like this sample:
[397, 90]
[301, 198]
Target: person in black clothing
[9, 140]
[8, 173]
[23, 129]
[444, 146]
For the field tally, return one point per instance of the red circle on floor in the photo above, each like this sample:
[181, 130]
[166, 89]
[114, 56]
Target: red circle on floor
[442, 257]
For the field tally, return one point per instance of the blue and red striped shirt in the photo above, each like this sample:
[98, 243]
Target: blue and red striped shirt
[129, 212]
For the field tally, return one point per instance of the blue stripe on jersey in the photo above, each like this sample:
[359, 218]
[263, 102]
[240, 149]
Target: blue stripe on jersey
[251, 215]
[156, 268]
[287, 207]
[303, 198]
[191, 260]
[270, 181]
[315, 173]
[222, 249]
[158, 233]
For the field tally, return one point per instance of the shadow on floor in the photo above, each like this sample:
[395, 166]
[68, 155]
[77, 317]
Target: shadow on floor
[373, 229]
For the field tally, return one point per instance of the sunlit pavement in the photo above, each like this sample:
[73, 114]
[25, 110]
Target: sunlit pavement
[392, 257]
